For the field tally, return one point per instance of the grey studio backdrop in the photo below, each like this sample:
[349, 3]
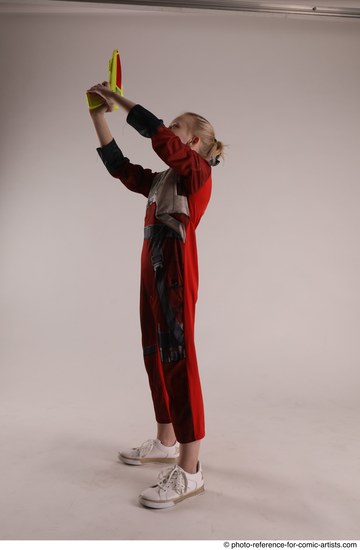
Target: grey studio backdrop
[278, 324]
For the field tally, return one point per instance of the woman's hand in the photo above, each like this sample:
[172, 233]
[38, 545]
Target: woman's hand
[104, 91]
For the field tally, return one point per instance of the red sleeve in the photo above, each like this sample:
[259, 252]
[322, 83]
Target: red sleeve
[135, 177]
[183, 160]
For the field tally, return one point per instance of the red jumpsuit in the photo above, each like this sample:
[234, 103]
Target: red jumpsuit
[177, 199]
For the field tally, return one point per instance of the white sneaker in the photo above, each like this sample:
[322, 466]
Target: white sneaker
[174, 485]
[151, 450]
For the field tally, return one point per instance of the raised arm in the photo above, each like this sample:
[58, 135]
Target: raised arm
[133, 176]
[178, 156]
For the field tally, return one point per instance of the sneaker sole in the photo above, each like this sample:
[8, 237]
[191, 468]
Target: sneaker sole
[169, 503]
[141, 461]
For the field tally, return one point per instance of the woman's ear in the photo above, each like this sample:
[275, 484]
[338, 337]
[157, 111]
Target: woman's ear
[193, 141]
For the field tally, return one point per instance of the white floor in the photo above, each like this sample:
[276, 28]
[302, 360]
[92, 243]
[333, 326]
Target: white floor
[279, 472]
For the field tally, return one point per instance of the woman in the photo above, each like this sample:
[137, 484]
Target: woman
[177, 199]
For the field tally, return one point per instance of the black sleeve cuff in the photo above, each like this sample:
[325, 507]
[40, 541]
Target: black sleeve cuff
[111, 156]
[143, 121]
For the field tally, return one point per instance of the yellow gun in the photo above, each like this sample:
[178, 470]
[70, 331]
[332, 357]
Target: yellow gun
[114, 79]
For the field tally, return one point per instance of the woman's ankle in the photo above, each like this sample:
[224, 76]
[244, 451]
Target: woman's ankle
[166, 434]
[167, 443]
[189, 467]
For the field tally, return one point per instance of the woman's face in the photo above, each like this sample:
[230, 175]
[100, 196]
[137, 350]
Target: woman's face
[180, 127]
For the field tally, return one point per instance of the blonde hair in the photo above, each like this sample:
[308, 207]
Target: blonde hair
[211, 148]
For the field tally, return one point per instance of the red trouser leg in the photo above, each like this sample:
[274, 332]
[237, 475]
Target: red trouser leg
[170, 359]
[151, 355]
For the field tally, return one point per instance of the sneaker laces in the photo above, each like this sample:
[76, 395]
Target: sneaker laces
[145, 447]
[174, 478]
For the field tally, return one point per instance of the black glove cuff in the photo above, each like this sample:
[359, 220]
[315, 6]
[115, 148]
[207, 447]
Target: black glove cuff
[143, 121]
[111, 156]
